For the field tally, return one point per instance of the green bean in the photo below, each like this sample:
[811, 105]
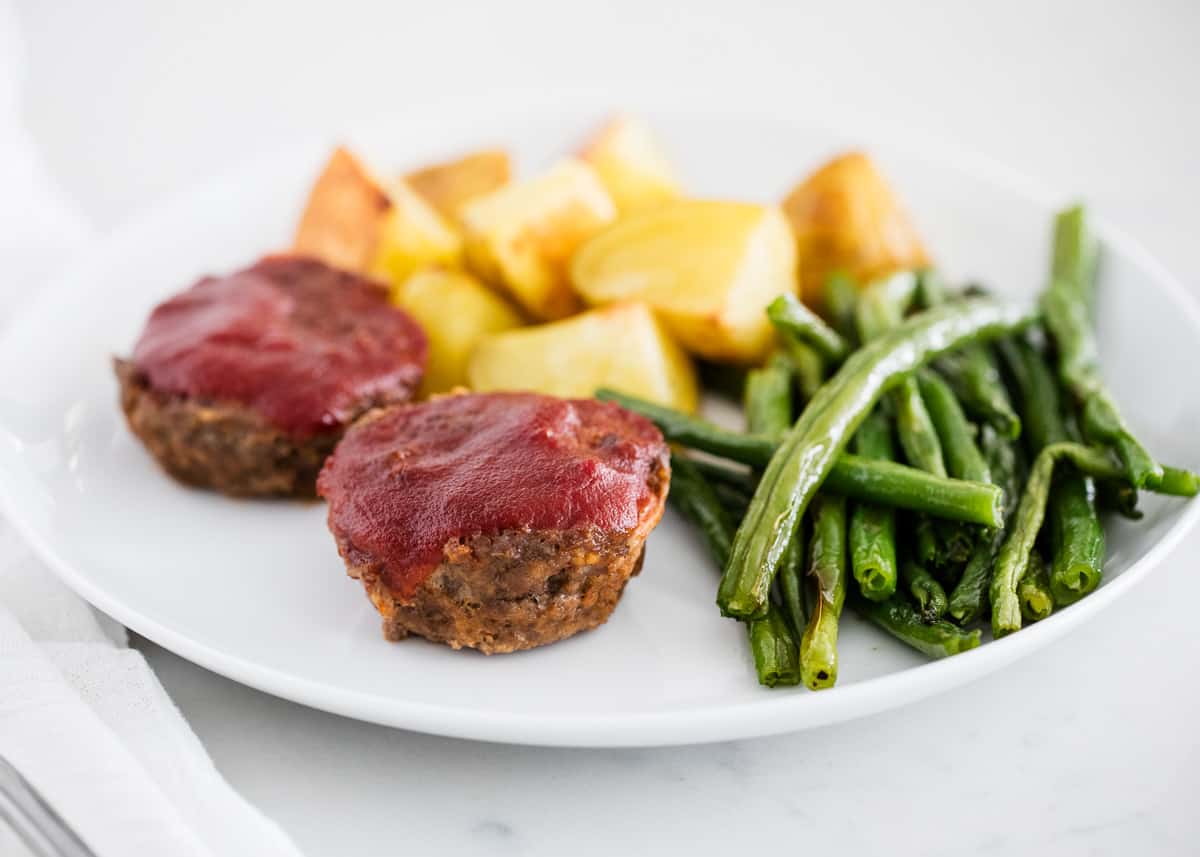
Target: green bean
[963, 461]
[808, 451]
[798, 323]
[882, 304]
[739, 478]
[807, 365]
[827, 570]
[881, 307]
[963, 458]
[925, 590]
[774, 648]
[791, 584]
[695, 499]
[733, 500]
[925, 539]
[918, 437]
[972, 374]
[771, 642]
[1174, 481]
[767, 401]
[696, 433]
[841, 297]
[873, 528]
[888, 483]
[1078, 540]
[969, 597]
[1066, 305]
[1034, 591]
[1037, 393]
[1013, 558]
[1120, 497]
[935, 639]
[881, 482]
[931, 289]
[1078, 536]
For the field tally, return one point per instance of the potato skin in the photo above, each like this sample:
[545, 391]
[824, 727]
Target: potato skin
[845, 217]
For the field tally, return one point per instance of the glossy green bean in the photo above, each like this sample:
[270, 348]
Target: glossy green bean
[827, 577]
[809, 450]
[881, 307]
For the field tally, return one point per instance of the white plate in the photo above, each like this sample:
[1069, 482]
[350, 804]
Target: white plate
[255, 590]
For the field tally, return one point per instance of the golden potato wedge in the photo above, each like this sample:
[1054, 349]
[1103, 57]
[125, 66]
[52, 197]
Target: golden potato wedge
[708, 269]
[346, 209]
[845, 217]
[355, 222]
[456, 311]
[622, 346]
[447, 186]
[631, 165]
[413, 236]
[521, 237]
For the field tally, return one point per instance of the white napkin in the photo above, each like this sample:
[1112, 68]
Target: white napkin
[81, 714]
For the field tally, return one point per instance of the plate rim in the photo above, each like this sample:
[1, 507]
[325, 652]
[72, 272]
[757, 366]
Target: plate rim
[760, 717]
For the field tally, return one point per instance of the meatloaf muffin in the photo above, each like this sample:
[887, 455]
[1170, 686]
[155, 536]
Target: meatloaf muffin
[498, 521]
[244, 383]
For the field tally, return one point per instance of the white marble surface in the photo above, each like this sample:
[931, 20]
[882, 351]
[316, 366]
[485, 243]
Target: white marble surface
[1088, 749]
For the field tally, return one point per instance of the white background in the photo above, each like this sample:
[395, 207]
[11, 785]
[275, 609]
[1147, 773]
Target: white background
[1090, 748]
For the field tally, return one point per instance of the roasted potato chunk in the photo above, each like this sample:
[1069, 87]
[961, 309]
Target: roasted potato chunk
[521, 237]
[448, 186]
[846, 218]
[456, 311]
[413, 236]
[631, 165]
[622, 346]
[355, 222]
[708, 269]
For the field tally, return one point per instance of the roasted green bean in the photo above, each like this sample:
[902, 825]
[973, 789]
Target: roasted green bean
[797, 322]
[827, 578]
[935, 639]
[809, 449]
